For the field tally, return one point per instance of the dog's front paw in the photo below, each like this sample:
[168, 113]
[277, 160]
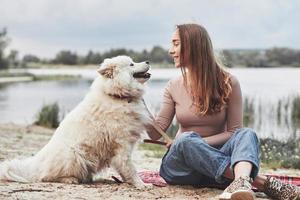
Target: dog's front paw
[68, 180]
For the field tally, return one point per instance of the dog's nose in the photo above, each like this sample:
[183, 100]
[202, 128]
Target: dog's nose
[147, 62]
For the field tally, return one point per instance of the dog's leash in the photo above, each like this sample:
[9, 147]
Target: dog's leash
[154, 142]
[157, 128]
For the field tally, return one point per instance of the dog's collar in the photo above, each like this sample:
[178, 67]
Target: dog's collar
[129, 99]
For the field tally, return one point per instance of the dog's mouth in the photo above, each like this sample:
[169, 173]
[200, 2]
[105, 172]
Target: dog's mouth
[144, 75]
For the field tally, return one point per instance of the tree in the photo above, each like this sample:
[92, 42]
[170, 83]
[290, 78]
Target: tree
[93, 58]
[66, 57]
[115, 52]
[228, 58]
[30, 59]
[159, 55]
[3, 44]
[282, 56]
[139, 56]
[13, 58]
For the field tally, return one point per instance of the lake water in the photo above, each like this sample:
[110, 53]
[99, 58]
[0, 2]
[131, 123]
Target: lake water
[265, 88]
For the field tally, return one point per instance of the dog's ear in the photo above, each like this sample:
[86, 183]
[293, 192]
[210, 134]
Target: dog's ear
[107, 71]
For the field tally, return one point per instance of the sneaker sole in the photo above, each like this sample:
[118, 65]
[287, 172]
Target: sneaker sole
[225, 196]
[242, 195]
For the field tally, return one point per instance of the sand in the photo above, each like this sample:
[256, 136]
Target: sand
[22, 141]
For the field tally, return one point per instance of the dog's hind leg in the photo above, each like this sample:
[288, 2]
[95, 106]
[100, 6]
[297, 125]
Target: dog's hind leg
[124, 166]
[65, 179]
[68, 180]
[88, 179]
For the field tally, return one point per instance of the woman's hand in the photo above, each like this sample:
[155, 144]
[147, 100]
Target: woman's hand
[169, 143]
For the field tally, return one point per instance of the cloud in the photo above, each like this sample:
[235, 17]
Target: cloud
[103, 24]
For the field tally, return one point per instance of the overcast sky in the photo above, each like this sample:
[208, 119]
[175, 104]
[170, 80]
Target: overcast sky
[44, 27]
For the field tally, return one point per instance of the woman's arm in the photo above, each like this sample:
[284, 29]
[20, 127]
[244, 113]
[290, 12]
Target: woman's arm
[165, 115]
[234, 116]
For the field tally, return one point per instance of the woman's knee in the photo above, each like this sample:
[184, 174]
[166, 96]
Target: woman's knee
[182, 138]
[187, 138]
[247, 133]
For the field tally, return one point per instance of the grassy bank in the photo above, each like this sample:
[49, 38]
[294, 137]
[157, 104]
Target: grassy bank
[6, 76]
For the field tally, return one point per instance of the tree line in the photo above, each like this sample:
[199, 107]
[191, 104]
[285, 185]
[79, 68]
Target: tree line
[272, 57]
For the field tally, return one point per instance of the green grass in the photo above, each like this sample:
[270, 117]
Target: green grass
[153, 150]
[296, 111]
[248, 112]
[9, 74]
[54, 77]
[6, 74]
[277, 154]
[48, 116]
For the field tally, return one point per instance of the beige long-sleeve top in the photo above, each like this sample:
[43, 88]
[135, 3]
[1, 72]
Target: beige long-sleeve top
[216, 128]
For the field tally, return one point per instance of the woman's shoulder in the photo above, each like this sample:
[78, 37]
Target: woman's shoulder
[235, 84]
[234, 80]
[175, 82]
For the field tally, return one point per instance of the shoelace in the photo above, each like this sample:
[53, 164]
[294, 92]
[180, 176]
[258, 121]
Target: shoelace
[247, 183]
[277, 185]
[241, 182]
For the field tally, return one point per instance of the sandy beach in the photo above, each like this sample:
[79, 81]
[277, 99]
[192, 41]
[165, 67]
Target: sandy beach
[22, 141]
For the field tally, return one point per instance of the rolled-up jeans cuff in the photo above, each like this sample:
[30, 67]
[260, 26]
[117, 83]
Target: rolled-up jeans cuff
[219, 175]
[163, 174]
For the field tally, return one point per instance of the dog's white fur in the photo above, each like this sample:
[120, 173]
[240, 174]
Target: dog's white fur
[100, 132]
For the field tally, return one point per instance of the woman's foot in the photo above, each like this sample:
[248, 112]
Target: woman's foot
[281, 191]
[239, 189]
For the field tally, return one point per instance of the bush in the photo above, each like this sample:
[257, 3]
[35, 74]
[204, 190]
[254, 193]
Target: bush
[292, 162]
[3, 44]
[296, 111]
[48, 116]
[248, 117]
[276, 154]
[153, 150]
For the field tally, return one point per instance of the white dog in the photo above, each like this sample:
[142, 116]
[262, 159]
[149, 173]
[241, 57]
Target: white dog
[100, 132]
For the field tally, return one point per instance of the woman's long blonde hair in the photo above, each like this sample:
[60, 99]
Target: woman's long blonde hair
[208, 83]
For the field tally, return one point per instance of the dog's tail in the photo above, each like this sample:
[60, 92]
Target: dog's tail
[17, 170]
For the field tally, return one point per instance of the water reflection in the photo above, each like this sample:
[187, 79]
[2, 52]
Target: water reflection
[279, 119]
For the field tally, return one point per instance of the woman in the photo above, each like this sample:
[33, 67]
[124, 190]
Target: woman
[211, 146]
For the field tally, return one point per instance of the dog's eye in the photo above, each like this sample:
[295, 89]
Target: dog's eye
[131, 64]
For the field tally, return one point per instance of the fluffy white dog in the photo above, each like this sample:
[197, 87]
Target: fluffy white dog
[100, 132]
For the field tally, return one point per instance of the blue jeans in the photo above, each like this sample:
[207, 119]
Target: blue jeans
[190, 160]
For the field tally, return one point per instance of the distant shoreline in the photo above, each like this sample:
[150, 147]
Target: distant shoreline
[15, 79]
[31, 74]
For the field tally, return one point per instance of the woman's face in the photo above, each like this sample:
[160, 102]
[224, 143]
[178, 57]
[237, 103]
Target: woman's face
[174, 51]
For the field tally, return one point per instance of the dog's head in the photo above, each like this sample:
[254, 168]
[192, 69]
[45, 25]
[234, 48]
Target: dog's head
[124, 78]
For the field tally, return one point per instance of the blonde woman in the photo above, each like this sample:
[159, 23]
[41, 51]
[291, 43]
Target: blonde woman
[211, 145]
